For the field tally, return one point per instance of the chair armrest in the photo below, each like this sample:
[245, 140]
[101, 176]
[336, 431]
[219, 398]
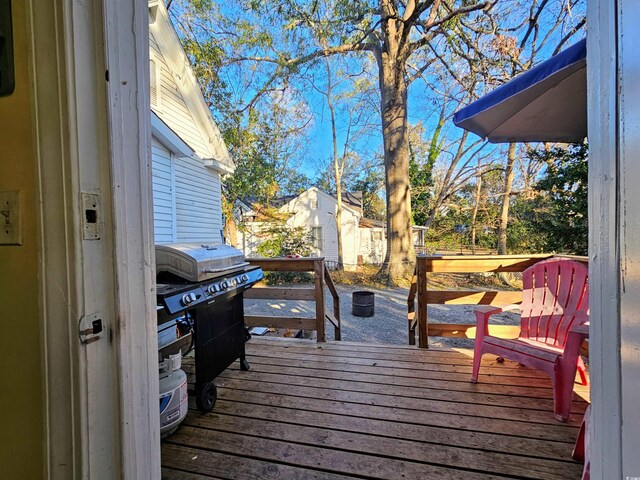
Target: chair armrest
[483, 312]
[489, 310]
[575, 337]
[581, 329]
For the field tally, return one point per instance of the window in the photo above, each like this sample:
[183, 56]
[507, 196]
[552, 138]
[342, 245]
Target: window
[313, 203]
[316, 238]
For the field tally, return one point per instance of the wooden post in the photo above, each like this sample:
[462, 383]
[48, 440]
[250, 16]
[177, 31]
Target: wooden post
[423, 329]
[411, 308]
[336, 314]
[337, 335]
[318, 269]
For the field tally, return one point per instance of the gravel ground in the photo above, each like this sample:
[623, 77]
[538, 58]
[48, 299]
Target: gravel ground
[388, 325]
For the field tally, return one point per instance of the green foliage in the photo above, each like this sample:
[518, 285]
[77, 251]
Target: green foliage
[524, 234]
[281, 241]
[422, 158]
[371, 185]
[294, 183]
[564, 187]
[551, 218]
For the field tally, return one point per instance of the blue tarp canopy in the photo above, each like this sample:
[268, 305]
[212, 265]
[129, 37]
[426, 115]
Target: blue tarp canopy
[545, 104]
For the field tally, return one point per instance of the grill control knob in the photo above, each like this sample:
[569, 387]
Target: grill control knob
[188, 299]
[239, 279]
[211, 289]
[245, 278]
[224, 285]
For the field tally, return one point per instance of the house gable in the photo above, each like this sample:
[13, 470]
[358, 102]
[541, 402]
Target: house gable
[178, 99]
[304, 201]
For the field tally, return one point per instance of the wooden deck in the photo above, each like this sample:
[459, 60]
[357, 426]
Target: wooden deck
[346, 410]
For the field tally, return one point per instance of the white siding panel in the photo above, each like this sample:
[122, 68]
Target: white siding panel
[312, 208]
[173, 109]
[350, 239]
[163, 221]
[331, 232]
[153, 44]
[198, 209]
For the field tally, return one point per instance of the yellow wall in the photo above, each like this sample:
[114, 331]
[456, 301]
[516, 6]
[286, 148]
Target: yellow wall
[21, 404]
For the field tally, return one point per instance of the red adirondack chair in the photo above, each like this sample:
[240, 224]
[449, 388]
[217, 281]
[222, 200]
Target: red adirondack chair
[554, 318]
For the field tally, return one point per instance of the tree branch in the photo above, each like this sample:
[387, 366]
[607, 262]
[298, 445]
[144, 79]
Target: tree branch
[426, 38]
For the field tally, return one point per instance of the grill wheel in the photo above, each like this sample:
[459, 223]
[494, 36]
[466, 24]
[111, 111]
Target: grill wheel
[206, 397]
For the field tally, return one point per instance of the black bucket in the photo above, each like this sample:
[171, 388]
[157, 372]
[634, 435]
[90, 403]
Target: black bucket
[362, 304]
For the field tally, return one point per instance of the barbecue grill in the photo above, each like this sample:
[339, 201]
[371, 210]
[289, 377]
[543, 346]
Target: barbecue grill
[204, 284]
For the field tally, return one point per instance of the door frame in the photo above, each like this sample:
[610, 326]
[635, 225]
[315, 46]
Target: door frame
[613, 71]
[89, 79]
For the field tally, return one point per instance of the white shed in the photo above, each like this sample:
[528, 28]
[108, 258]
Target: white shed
[316, 211]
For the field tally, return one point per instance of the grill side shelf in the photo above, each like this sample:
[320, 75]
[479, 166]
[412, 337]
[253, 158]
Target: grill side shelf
[174, 303]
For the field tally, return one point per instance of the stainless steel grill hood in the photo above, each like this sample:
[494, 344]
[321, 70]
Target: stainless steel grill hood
[196, 262]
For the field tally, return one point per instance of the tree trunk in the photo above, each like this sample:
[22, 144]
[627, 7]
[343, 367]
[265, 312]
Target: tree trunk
[232, 232]
[400, 256]
[444, 192]
[230, 227]
[504, 209]
[337, 170]
[339, 222]
[476, 206]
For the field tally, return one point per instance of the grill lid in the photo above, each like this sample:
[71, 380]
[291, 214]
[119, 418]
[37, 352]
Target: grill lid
[196, 262]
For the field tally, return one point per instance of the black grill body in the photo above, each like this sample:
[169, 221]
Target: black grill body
[216, 309]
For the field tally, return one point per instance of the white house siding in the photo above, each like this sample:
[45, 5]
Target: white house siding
[372, 245]
[163, 201]
[350, 238]
[250, 237]
[172, 108]
[305, 215]
[198, 208]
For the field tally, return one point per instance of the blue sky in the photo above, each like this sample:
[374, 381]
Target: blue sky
[317, 144]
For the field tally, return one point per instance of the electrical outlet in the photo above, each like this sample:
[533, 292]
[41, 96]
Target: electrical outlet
[10, 218]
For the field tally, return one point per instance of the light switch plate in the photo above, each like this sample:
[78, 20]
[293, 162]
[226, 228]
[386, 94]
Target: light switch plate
[10, 218]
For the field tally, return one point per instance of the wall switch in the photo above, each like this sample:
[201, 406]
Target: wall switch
[10, 218]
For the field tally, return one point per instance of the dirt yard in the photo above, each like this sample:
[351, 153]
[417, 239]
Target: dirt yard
[388, 325]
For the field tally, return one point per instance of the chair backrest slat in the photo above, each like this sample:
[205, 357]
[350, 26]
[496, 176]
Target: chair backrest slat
[553, 291]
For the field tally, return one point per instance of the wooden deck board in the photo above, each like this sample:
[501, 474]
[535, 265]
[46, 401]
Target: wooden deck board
[424, 388]
[368, 411]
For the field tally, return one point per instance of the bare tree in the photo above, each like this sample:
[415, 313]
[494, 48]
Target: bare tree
[476, 204]
[506, 45]
[509, 174]
[395, 32]
[354, 115]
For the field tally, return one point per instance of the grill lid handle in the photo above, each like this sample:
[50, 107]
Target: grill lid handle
[224, 269]
[209, 247]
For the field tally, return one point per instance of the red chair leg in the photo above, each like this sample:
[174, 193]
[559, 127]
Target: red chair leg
[582, 370]
[578, 449]
[563, 390]
[581, 449]
[477, 358]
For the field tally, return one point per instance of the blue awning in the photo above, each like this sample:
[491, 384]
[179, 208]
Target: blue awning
[545, 104]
